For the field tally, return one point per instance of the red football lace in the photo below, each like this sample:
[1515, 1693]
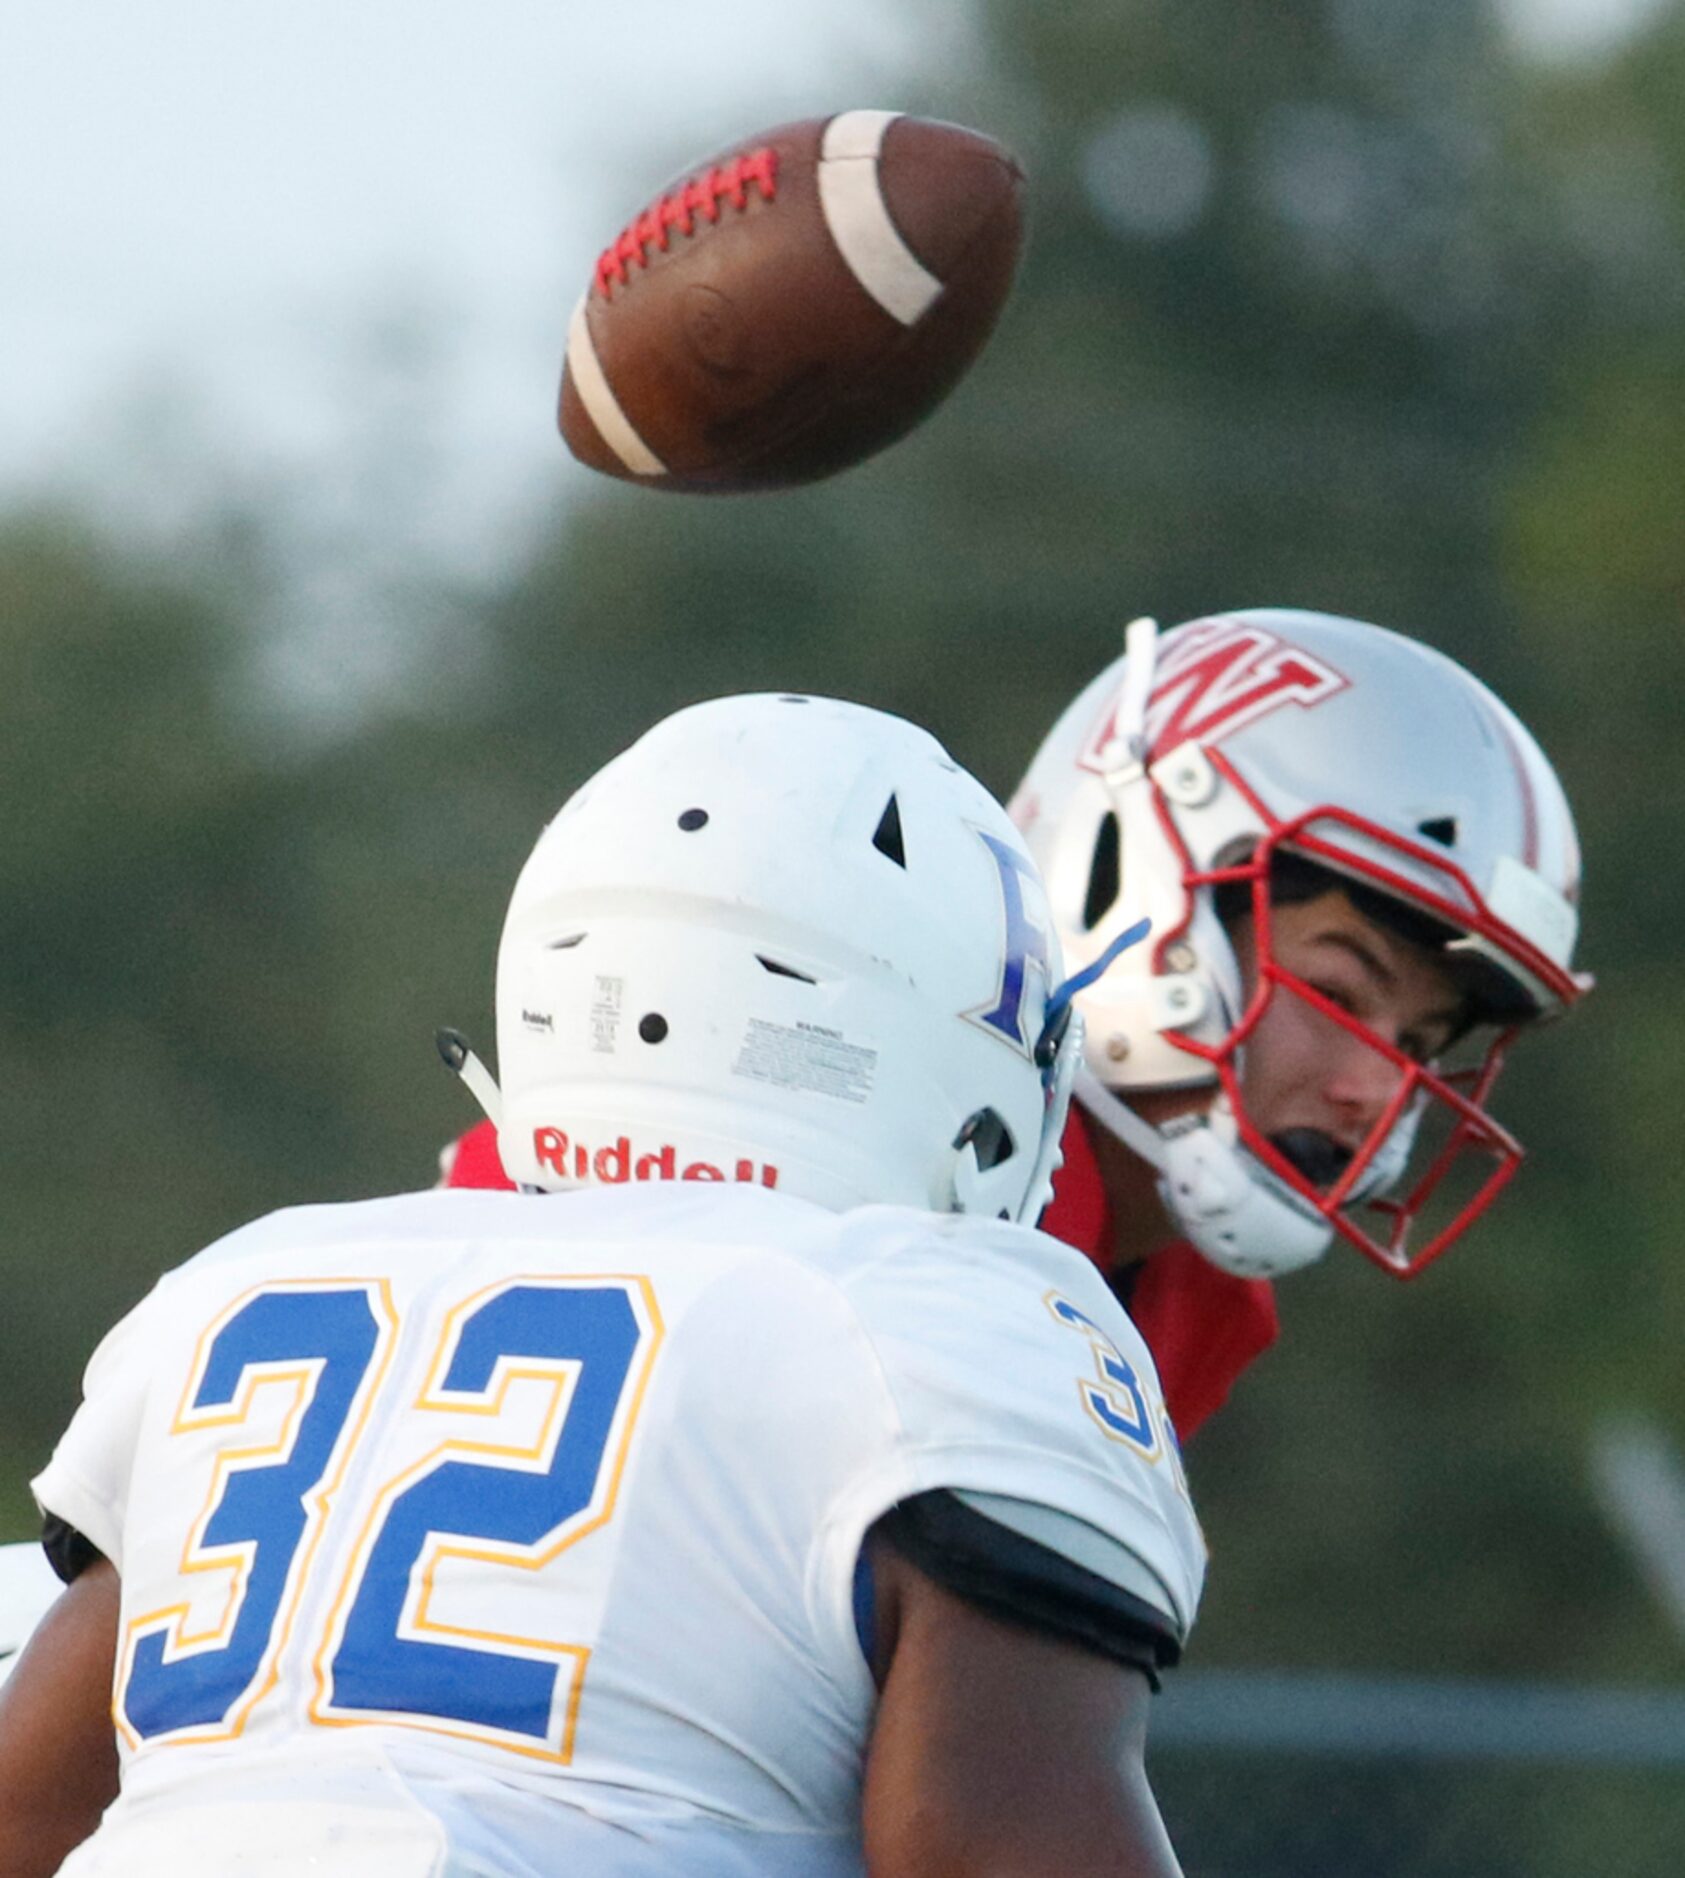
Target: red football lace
[702, 195]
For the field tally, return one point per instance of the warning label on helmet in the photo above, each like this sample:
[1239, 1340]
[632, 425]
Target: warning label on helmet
[806, 1056]
[605, 1015]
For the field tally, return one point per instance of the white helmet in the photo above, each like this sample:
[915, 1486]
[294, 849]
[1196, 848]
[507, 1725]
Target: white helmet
[785, 940]
[1187, 765]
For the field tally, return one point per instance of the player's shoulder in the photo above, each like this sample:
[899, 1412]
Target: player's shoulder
[1017, 1376]
[936, 1294]
[884, 1263]
[890, 1255]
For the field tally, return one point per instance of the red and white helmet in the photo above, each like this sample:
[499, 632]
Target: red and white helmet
[788, 941]
[1193, 761]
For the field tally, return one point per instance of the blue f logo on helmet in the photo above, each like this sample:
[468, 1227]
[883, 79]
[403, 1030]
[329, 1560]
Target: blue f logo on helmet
[1025, 949]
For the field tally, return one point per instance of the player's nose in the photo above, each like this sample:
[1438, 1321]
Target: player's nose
[1360, 1081]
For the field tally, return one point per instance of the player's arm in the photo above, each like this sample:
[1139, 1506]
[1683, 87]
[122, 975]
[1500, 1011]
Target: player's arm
[58, 1751]
[1001, 1747]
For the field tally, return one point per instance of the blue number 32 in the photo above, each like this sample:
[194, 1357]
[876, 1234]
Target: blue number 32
[585, 1345]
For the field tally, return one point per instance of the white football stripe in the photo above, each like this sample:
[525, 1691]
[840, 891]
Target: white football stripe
[858, 217]
[601, 405]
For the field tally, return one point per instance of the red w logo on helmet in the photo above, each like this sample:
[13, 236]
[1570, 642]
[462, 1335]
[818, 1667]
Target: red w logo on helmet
[1212, 677]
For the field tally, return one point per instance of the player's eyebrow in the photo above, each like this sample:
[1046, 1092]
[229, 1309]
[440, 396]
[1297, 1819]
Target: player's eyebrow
[1366, 955]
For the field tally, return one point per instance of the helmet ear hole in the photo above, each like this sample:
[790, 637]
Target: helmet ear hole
[1105, 873]
[990, 1138]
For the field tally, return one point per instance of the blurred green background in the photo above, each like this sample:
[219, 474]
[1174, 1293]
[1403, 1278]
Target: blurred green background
[1339, 305]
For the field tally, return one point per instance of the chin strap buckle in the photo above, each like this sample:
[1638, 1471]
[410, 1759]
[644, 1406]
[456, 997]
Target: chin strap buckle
[458, 1057]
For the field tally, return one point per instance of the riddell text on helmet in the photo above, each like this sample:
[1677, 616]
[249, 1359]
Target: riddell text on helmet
[620, 1161]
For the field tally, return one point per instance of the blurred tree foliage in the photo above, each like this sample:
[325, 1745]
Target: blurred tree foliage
[1329, 304]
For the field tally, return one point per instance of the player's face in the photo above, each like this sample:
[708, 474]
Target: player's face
[1314, 1088]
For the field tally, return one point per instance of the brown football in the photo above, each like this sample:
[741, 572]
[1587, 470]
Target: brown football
[792, 306]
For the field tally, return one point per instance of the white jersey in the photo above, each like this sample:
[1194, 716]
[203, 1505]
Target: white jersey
[490, 1533]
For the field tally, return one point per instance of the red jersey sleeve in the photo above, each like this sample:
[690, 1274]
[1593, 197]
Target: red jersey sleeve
[1203, 1326]
[476, 1162]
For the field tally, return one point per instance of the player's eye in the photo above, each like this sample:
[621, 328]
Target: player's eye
[1335, 994]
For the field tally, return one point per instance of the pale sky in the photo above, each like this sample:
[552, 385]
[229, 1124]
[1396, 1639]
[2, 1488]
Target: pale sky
[208, 206]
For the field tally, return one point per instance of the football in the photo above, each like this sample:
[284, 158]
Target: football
[793, 305]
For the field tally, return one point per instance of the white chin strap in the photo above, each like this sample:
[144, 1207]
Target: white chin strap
[1233, 1209]
[1128, 741]
[458, 1056]
[1050, 1155]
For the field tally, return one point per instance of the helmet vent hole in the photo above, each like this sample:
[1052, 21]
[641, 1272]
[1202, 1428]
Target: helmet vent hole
[990, 1138]
[887, 838]
[693, 819]
[565, 943]
[783, 971]
[1104, 874]
[1440, 828]
[652, 1027]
